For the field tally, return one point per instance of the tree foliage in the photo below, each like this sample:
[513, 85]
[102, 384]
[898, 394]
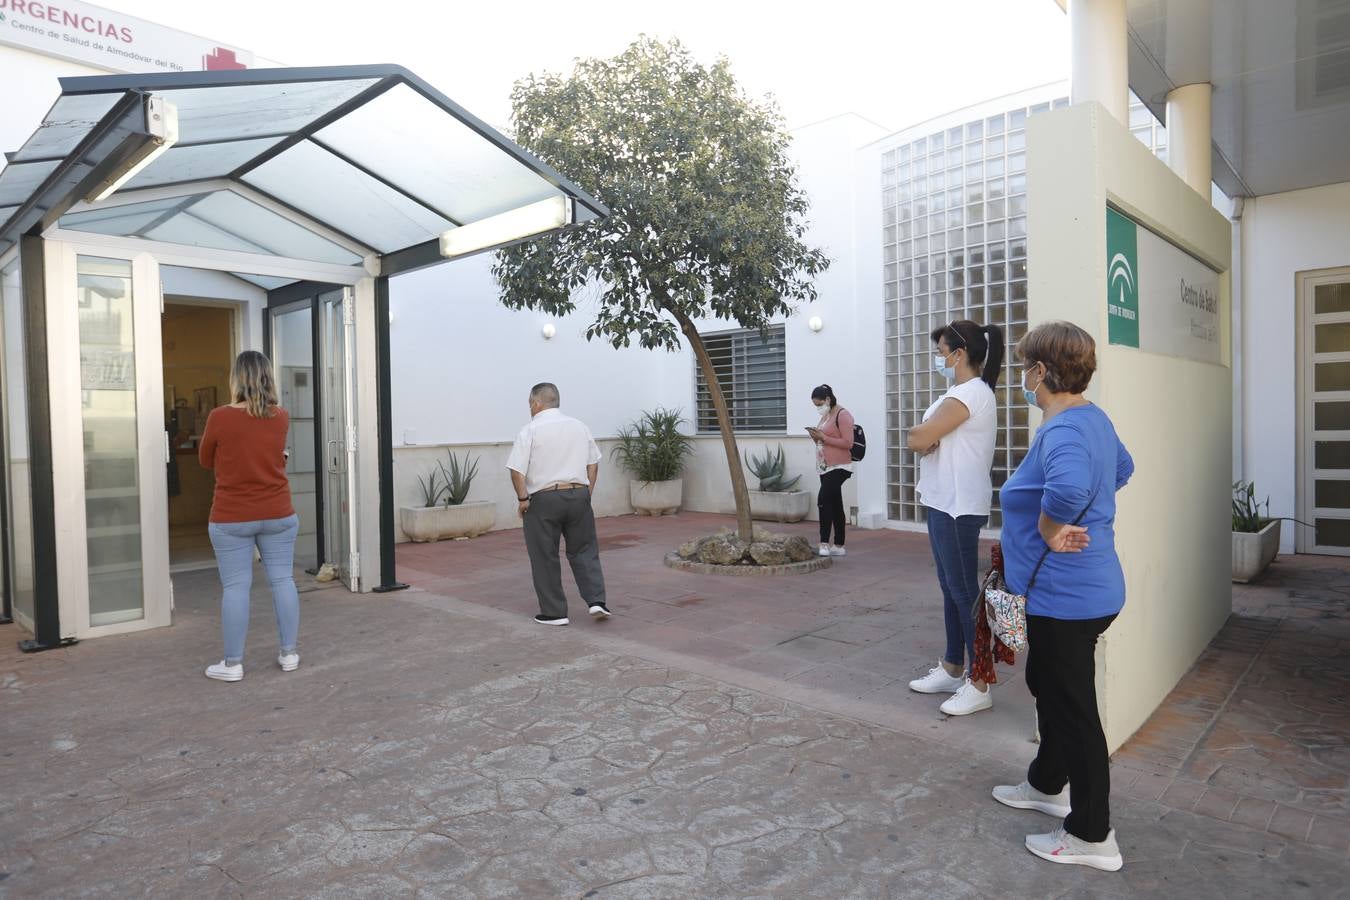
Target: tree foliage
[706, 221]
[706, 217]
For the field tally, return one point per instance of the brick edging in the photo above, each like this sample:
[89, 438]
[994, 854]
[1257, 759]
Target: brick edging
[675, 561]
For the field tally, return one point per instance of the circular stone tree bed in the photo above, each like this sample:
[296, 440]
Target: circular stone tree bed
[725, 553]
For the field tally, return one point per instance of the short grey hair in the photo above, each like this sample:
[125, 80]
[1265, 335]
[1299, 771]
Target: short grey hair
[545, 393]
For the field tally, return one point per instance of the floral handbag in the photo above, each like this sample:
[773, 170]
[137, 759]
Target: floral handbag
[1006, 611]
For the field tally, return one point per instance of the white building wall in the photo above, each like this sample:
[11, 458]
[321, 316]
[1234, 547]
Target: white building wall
[1281, 236]
[462, 364]
[31, 89]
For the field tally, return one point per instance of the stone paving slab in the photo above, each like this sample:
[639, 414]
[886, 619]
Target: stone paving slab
[422, 750]
[1258, 732]
[847, 638]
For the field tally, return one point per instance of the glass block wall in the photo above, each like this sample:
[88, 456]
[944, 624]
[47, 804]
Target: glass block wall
[954, 246]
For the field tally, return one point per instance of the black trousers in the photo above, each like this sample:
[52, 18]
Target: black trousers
[567, 515]
[1060, 672]
[831, 504]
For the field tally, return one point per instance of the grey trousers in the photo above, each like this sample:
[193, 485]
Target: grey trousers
[566, 514]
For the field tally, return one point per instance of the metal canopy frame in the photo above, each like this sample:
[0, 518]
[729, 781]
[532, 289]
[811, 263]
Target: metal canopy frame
[64, 165]
[60, 192]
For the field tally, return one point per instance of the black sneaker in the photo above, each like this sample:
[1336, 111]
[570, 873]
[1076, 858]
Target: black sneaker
[599, 611]
[551, 620]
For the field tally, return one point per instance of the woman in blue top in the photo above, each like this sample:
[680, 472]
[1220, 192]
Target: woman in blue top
[1059, 511]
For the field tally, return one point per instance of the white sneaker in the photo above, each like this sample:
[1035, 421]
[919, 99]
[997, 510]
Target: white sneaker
[289, 662]
[967, 700]
[838, 551]
[1024, 796]
[824, 549]
[937, 681]
[221, 672]
[599, 611]
[1061, 847]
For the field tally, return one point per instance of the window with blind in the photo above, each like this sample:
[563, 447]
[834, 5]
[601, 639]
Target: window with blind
[751, 368]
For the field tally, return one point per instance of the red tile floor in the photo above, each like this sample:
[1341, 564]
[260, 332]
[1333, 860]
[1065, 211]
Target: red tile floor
[1257, 733]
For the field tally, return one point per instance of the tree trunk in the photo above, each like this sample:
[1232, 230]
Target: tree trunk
[739, 489]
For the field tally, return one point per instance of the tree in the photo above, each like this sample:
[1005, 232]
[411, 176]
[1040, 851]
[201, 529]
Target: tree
[707, 220]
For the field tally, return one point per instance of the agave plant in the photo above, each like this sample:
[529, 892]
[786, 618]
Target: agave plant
[652, 448]
[458, 477]
[432, 489]
[1247, 516]
[771, 471]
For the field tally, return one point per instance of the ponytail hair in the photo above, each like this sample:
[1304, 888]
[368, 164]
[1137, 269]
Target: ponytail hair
[993, 359]
[983, 345]
[825, 392]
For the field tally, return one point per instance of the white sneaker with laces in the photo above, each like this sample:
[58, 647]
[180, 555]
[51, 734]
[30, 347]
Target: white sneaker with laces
[289, 662]
[221, 672]
[1061, 847]
[967, 700]
[937, 681]
[838, 551]
[1024, 796]
[824, 549]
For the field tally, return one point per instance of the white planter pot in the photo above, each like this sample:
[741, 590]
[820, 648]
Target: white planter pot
[425, 524]
[656, 498]
[1253, 552]
[780, 506]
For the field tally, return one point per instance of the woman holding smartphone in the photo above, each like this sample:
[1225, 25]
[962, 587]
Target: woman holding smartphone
[833, 435]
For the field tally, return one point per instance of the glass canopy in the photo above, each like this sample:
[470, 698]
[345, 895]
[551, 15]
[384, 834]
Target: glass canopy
[316, 165]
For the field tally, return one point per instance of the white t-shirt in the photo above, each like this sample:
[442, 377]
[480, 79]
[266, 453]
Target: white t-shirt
[553, 449]
[954, 478]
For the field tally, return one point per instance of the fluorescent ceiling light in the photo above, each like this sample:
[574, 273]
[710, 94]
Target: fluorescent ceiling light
[512, 225]
[161, 133]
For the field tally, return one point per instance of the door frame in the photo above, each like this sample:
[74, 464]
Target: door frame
[287, 300]
[1305, 467]
[347, 438]
[62, 261]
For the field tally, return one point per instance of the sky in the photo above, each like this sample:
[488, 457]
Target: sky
[897, 63]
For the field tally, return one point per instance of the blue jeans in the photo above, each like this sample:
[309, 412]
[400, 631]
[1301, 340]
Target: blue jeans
[234, 543]
[956, 550]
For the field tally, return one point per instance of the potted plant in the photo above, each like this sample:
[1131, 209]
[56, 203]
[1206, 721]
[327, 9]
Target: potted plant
[1256, 538]
[776, 500]
[654, 451]
[446, 511]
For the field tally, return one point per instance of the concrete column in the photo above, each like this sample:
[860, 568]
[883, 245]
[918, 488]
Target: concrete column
[1188, 135]
[1098, 61]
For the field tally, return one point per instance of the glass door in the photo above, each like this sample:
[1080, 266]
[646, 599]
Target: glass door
[1324, 483]
[292, 353]
[338, 366]
[121, 442]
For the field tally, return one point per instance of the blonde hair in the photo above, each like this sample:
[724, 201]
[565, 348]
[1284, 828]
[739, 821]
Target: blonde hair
[252, 383]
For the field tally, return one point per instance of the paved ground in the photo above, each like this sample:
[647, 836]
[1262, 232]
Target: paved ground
[439, 747]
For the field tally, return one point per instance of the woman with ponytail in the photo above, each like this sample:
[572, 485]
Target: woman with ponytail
[245, 444]
[956, 441]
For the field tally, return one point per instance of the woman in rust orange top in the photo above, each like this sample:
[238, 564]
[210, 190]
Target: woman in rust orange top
[245, 443]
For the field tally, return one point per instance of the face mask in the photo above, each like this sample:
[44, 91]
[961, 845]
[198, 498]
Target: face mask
[940, 365]
[1029, 395]
[822, 409]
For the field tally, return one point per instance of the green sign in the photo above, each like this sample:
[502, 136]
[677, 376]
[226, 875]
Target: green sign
[1122, 279]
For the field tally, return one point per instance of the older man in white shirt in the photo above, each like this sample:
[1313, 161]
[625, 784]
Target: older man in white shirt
[553, 467]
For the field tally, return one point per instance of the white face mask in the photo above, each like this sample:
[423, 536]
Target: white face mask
[1028, 393]
[941, 367]
[823, 409]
